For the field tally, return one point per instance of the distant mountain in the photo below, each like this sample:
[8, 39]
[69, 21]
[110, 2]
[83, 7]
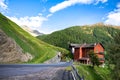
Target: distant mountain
[82, 34]
[37, 32]
[32, 32]
[17, 45]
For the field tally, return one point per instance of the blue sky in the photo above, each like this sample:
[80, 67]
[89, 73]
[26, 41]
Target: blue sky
[51, 15]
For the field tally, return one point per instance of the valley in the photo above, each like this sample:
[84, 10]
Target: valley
[22, 53]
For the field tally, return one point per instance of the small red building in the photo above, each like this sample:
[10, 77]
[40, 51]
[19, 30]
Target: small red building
[80, 52]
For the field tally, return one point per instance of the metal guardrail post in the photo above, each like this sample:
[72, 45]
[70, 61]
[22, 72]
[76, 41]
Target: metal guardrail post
[75, 74]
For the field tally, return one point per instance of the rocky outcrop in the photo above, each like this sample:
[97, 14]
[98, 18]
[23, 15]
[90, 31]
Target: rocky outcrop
[10, 51]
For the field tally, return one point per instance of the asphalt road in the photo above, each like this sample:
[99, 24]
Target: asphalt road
[11, 70]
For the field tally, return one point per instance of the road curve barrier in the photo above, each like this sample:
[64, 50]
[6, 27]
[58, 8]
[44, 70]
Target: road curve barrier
[75, 74]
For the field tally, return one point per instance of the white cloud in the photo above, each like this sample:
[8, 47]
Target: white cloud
[68, 3]
[3, 5]
[33, 22]
[103, 1]
[49, 15]
[114, 16]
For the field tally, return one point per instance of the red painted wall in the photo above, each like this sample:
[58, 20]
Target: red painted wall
[85, 52]
[81, 52]
[100, 55]
[76, 53]
[98, 48]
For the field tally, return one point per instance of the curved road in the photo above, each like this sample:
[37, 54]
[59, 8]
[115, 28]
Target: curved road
[33, 71]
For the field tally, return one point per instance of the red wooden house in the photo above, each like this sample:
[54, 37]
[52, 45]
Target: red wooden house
[80, 52]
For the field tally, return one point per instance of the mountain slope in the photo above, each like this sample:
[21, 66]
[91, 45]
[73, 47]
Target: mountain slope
[81, 34]
[41, 51]
[10, 51]
[32, 32]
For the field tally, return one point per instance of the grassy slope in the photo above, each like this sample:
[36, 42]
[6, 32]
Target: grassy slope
[81, 34]
[98, 73]
[40, 50]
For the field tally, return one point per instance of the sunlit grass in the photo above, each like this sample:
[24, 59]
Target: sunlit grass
[97, 73]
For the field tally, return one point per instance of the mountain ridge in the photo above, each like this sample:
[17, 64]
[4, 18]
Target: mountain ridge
[96, 33]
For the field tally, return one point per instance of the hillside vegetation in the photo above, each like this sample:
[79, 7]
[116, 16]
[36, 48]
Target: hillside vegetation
[82, 34]
[97, 73]
[113, 57]
[40, 50]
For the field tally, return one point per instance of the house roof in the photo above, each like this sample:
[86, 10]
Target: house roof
[75, 45]
[84, 45]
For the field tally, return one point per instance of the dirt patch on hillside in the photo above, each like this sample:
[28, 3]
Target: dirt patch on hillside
[10, 51]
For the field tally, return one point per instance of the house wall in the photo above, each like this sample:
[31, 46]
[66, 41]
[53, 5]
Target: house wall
[76, 53]
[98, 48]
[100, 55]
[86, 51]
[82, 52]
